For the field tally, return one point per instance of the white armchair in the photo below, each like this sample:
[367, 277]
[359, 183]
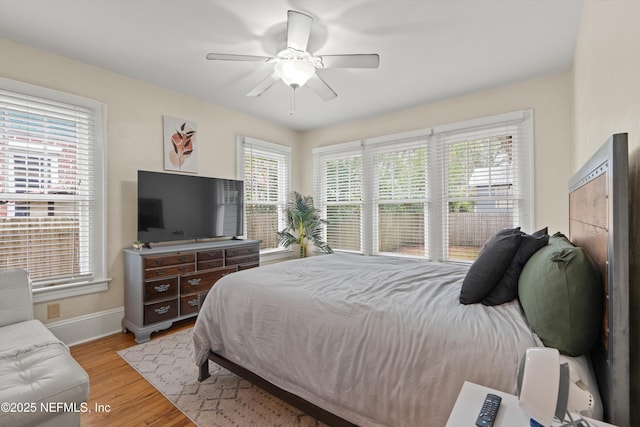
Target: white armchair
[40, 383]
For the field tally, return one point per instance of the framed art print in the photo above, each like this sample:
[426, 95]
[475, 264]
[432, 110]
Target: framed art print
[180, 148]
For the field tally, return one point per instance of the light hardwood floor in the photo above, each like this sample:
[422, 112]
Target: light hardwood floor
[131, 400]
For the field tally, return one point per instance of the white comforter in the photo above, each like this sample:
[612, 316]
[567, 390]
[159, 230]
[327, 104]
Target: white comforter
[374, 340]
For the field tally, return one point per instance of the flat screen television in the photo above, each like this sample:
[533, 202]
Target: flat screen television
[187, 207]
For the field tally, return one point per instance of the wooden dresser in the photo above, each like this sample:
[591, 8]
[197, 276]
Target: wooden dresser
[169, 283]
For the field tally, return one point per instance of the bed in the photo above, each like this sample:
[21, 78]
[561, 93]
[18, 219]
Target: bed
[374, 341]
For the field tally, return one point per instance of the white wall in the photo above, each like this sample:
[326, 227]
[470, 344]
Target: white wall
[134, 141]
[606, 76]
[550, 98]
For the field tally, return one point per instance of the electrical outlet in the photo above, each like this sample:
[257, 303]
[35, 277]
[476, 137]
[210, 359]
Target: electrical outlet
[53, 310]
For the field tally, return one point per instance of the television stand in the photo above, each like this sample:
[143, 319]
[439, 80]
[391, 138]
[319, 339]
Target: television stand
[169, 283]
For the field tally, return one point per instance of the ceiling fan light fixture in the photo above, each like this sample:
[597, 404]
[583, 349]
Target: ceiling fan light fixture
[294, 71]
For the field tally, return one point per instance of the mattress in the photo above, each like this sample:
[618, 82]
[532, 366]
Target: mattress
[377, 341]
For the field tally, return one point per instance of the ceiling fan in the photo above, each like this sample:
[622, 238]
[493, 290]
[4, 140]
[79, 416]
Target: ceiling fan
[296, 66]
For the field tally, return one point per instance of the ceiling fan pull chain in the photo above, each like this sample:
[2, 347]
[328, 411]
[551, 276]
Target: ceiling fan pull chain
[293, 100]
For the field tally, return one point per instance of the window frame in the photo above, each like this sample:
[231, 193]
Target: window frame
[332, 153]
[519, 203]
[374, 151]
[98, 280]
[277, 150]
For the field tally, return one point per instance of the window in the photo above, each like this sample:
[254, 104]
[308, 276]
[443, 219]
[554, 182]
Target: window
[400, 201]
[264, 168]
[484, 188]
[338, 183]
[51, 189]
[436, 193]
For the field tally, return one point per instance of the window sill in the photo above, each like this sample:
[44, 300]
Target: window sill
[275, 255]
[69, 290]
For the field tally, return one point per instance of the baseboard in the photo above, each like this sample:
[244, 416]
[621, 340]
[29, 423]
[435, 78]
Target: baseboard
[89, 327]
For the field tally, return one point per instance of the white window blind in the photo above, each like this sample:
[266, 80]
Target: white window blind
[338, 183]
[400, 209]
[485, 184]
[436, 193]
[51, 198]
[264, 168]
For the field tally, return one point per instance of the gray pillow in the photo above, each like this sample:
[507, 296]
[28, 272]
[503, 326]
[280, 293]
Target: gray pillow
[490, 265]
[507, 288]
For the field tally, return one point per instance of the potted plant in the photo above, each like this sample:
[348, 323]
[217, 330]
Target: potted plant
[304, 225]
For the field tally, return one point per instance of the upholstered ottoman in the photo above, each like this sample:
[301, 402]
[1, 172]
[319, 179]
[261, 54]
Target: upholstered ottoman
[40, 383]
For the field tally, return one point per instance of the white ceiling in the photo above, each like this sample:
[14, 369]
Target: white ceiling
[429, 49]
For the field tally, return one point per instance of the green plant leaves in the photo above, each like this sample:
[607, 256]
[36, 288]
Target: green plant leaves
[303, 224]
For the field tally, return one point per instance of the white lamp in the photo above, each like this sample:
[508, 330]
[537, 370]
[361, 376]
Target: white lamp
[294, 72]
[545, 391]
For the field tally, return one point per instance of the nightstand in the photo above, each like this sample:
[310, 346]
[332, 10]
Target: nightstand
[470, 399]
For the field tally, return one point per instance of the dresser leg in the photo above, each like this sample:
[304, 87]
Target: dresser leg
[142, 336]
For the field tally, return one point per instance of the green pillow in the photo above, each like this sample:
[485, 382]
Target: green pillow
[561, 295]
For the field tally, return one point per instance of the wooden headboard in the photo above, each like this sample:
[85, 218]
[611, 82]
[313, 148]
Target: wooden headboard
[599, 223]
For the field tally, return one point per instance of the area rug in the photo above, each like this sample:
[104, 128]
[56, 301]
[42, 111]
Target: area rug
[222, 400]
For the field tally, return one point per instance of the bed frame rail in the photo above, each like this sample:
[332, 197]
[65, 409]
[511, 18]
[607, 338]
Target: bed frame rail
[293, 400]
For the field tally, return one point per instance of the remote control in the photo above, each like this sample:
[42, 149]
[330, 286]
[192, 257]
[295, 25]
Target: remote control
[489, 411]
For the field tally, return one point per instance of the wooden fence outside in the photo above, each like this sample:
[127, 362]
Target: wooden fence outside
[474, 229]
[53, 242]
[46, 247]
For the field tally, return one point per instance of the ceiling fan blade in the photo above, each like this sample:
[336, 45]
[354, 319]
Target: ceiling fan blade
[298, 30]
[231, 57]
[264, 85]
[348, 61]
[321, 88]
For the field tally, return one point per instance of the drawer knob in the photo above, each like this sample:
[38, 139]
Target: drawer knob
[162, 288]
[160, 272]
[162, 310]
[193, 302]
[182, 258]
[194, 282]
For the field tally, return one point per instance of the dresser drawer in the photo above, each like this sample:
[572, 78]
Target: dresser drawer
[214, 263]
[171, 270]
[160, 311]
[169, 259]
[190, 303]
[160, 289]
[244, 259]
[210, 255]
[202, 282]
[245, 250]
